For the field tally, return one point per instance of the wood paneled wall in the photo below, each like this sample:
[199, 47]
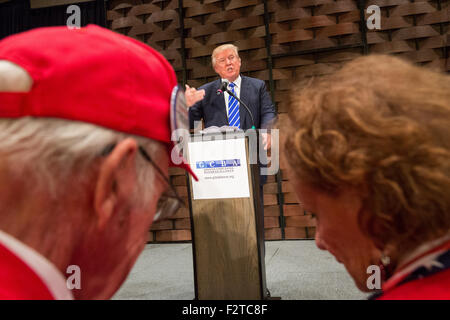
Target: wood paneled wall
[280, 41]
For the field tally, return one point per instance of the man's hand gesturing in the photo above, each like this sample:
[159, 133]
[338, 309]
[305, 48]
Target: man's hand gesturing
[193, 95]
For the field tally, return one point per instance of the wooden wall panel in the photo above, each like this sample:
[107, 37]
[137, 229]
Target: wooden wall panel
[280, 41]
[272, 219]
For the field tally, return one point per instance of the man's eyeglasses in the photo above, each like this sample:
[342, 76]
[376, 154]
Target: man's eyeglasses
[170, 201]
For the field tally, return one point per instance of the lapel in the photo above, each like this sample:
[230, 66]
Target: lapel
[244, 97]
[219, 101]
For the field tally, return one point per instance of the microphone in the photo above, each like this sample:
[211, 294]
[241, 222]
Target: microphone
[223, 88]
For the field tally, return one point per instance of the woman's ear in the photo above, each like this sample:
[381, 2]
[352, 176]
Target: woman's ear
[116, 180]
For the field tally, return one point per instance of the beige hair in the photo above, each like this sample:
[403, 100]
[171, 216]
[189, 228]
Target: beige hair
[221, 48]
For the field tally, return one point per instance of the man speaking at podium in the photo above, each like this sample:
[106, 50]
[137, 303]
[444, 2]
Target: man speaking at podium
[218, 108]
[222, 109]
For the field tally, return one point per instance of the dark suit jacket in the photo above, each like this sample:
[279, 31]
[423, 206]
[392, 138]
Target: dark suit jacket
[253, 93]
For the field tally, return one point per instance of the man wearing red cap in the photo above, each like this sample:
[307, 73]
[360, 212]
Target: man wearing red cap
[85, 125]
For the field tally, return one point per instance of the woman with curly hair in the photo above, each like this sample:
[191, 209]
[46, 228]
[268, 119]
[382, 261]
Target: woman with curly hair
[368, 151]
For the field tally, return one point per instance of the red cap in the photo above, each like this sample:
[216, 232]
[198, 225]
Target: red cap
[92, 75]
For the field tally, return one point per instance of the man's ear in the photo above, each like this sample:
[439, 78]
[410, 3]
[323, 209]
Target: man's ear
[116, 180]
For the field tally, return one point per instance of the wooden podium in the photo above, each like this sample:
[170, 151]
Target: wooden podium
[227, 234]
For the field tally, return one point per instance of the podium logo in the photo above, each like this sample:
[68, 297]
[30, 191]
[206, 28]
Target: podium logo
[218, 163]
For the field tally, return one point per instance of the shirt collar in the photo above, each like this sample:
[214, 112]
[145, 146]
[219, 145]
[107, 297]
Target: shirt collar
[44, 269]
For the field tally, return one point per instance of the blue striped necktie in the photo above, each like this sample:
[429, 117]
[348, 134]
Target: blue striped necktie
[234, 118]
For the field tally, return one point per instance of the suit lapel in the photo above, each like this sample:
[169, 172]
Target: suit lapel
[243, 96]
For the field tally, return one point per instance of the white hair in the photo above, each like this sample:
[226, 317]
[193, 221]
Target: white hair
[221, 48]
[59, 156]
